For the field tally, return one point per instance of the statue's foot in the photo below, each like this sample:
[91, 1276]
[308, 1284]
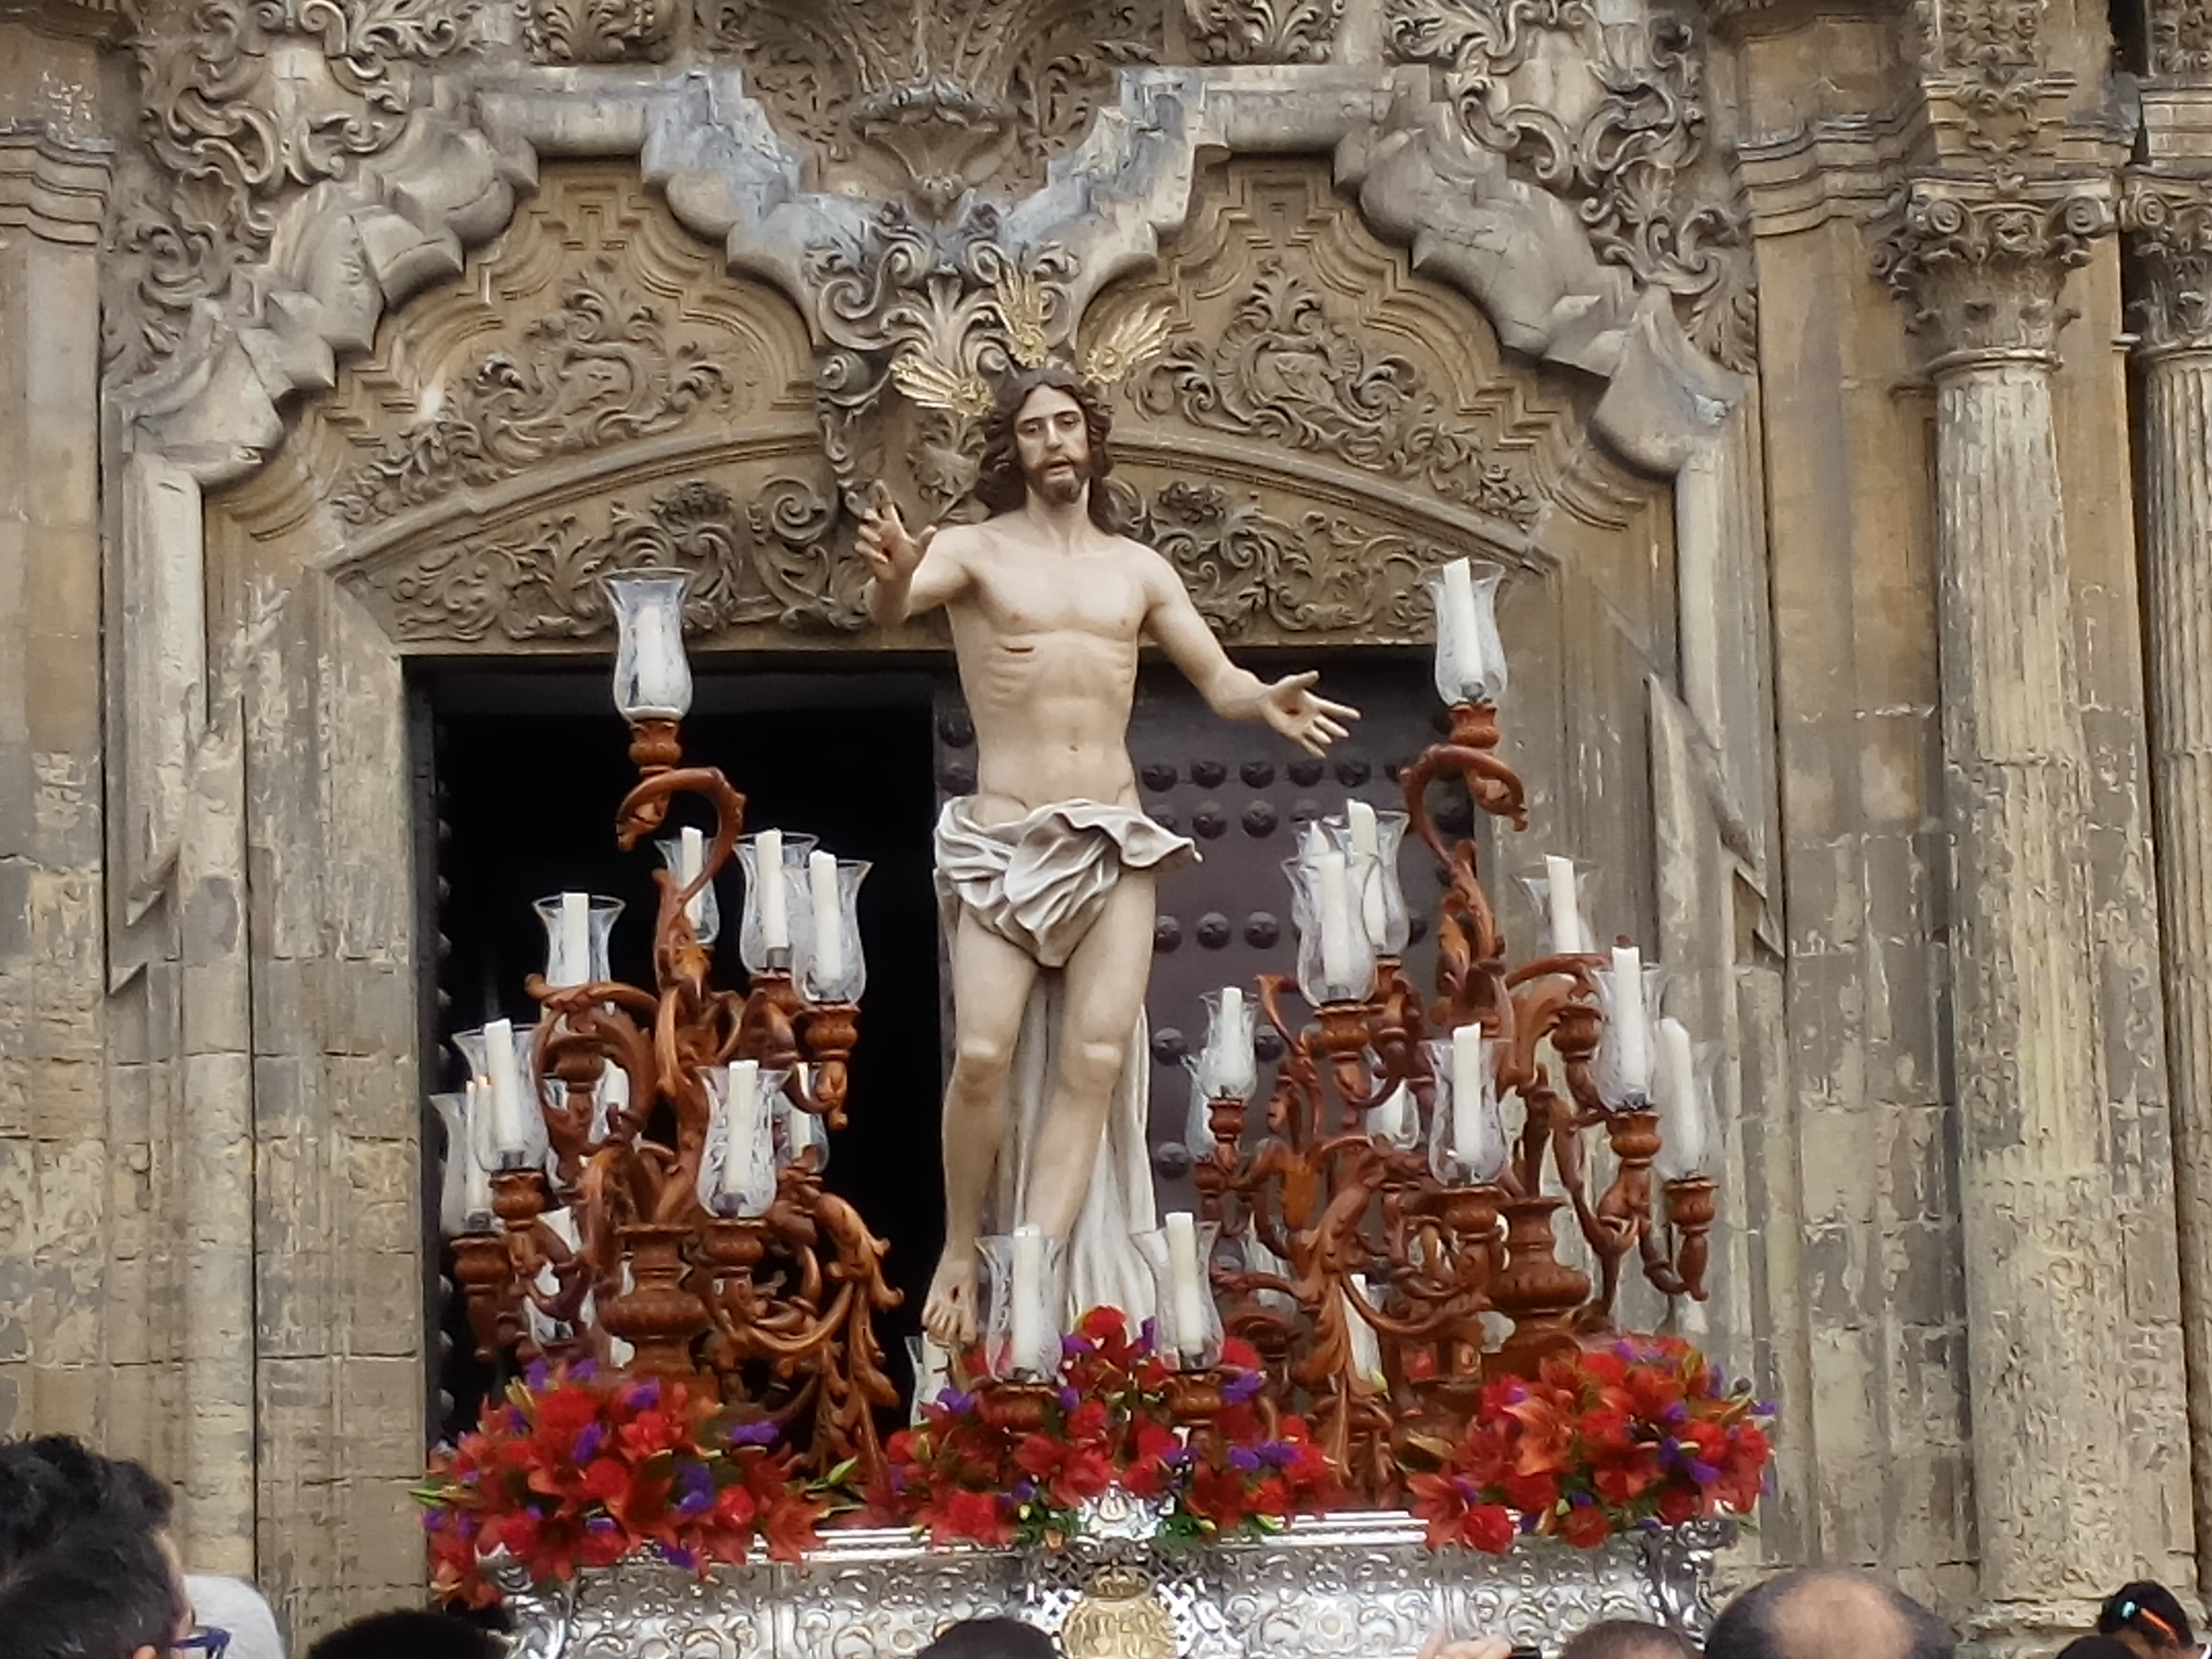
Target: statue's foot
[949, 1314]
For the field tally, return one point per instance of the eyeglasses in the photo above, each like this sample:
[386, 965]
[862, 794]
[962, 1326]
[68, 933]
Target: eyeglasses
[207, 1641]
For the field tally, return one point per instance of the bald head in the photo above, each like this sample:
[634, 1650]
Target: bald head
[1827, 1615]
[1629, 1639]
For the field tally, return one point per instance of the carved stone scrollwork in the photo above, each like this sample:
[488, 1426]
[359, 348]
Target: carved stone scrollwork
[1326, 573]
[597, 31]
[2181, 39]
[1263, 31]
[2169, 227]
[768, 561]
[1285, 373]
[597, 370]
[247, 102]
[933, 101]
[1985, 57]
[1624, 140]
[1983, 268]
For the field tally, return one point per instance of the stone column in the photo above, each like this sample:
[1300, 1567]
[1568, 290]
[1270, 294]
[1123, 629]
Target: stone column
[2045, 1292]
[2170, 226]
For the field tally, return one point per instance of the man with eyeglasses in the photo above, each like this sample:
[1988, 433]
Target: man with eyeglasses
[100, 1590]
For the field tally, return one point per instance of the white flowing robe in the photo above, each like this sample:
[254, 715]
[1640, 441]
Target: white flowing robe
[1039, 883]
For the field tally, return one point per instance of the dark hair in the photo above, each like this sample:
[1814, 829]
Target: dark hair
[2149, 1610]
[990, 1638]
[52, 1484]
[100, 1590]
[2097, 1647]
[409, 1634]
[999, 484]
[1756, 1625]
[1628, 1639]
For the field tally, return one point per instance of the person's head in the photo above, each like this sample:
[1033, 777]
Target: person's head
[100, 1590]
[1047, 436]
[2145, 1618]
[54, 1483]
[1628, 1639]
[409, 1634]
[2097, 1647]
[1812, 1614]
[990, 1638]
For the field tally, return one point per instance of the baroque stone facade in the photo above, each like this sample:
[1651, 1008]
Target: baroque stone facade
[1786, 356]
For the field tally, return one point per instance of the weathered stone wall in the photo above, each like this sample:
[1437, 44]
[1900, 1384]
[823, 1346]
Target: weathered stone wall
[1781, 352]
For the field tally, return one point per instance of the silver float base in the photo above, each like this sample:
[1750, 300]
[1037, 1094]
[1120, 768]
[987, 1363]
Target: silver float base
[1357, 1585]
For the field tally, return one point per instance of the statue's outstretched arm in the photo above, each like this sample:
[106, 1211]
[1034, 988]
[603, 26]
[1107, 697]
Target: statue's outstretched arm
[1237, 694]
[908, 574]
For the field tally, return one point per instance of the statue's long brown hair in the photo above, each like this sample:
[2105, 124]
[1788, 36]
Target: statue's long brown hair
[999, 484]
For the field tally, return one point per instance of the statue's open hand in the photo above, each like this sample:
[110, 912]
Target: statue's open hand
[892, 554]
[1313, 723]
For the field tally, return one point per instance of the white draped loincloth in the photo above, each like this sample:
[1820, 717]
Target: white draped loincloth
[1039, 883]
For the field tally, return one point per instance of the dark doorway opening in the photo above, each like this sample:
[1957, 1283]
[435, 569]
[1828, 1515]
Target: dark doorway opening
[525, 772]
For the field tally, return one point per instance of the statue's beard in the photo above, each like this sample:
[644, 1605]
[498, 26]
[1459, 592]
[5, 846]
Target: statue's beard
[1058, 485]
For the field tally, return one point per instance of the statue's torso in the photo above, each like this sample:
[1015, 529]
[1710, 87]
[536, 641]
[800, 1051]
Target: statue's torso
[1047, 642]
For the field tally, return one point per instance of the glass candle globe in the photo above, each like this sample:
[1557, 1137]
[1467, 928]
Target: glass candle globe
[1470, 656]
[653, 675]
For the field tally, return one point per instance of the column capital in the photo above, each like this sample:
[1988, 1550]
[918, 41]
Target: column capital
[2168, 222]
[1981, 262]
[53, 185]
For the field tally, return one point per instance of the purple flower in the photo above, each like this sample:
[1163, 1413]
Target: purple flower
[1703, 1474]
[645, 1396]
[1467, 1491]
[516, 1422]
[1069, 1399]
[589, 1442]
[1243, 1386]
[677, 1558]
[538, 1375]
[1077, 1347]
[602, 1524]
[1023, 1492]
[1279, 1454]
[1676, 1413]
[957, 1402]
[1762, 1408]
[697, 1487]
[763, 1433]
[1244, 1458]
[1148, 1336]
[433, 1521]
[584, 1370]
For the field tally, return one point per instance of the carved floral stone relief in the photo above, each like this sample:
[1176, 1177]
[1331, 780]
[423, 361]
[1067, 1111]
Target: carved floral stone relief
[1612, 118]
[2181, 39]
[1985, 56]
[1294, 332]
[1262, 31]
[766, 557]
[934, 101]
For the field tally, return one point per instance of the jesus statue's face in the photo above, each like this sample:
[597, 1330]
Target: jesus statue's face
[1053, 446]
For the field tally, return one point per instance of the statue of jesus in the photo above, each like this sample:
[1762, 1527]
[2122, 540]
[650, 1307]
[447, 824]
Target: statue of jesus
[1046, 874]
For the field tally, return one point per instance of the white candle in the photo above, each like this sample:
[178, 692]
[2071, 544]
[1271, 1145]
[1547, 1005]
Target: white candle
[1184, 1283]
[1228, 1045]
[691, 860]
[508, 1131]
[1684, 1126]
[1359, 820]
[1028, 1288]
[1565, 907]
[1470, 1072]
[1392, 1118]
[475, 1180]
[829, 918]
[768, 869]
[574, 967]
[1366, 1352]
[1334, 922]
[1632, 1029]
[933, 1373]
[741, 1120]
[1463, 631]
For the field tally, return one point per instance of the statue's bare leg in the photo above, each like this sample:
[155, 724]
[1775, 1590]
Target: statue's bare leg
[1104, 994]
[991, 981]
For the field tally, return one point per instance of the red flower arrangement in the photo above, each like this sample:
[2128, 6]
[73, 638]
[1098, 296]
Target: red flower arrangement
[1643, 1432]
[967, 1474]
[570, 1470]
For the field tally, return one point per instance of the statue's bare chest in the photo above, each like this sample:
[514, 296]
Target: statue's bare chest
[1021, 593]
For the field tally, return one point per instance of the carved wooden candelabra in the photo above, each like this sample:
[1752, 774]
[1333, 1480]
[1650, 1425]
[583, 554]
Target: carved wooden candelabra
[769, 1306]
[1373, 1270]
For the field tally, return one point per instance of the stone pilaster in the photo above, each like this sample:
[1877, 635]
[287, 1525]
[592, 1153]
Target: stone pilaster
[1983, 268]
[2169, 222]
